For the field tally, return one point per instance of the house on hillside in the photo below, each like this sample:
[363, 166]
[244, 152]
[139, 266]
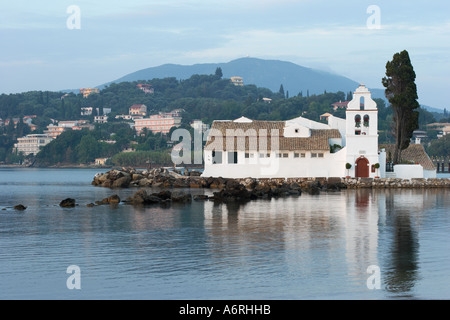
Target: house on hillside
[86, 92]
[237, 81]
[301, 147]
[138, 110]
[340, 105]
[158, 123]
[31, 144]
[147, 88]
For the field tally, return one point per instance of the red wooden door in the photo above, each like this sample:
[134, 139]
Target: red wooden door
[362, 168]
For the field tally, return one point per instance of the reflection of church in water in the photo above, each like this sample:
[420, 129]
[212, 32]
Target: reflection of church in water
[351, 231]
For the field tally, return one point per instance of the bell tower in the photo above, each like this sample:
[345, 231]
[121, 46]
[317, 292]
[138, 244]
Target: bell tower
[362, 133]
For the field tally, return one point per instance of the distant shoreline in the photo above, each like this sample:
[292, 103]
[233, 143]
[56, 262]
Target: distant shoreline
[55, 167]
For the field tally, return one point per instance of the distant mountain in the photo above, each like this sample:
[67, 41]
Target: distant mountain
[262, 73]
[430, 109]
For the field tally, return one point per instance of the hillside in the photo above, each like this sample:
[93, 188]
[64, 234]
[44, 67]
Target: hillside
[262, 73]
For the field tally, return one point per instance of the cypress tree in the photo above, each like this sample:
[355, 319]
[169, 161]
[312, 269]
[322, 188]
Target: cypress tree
[401, 91]
[282, 90]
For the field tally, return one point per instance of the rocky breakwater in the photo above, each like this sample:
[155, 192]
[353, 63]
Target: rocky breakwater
[163, 178]
[391, 183]
[143, 197]
[240, 189]
[228, 189]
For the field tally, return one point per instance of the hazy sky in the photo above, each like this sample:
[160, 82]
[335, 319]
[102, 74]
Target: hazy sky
[39, 51]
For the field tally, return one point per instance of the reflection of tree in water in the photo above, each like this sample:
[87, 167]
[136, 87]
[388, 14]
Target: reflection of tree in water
[403, 272]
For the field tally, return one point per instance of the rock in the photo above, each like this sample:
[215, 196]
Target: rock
[139, 197]
[143, 198]
[115, 174]
[180, 183]
[163, 195]
[114, 199]
[181, 197]
[152, 200]
[90, 205]
[218, 183]
[107, 184]
[122, 182]
[144, 182]
[167, 183]
[200, 197]
[233, 185]
[195, 185]
[249, 183]
[67, 203]
[20, 207]
[313, 187]
[233, 191]
[136, 177]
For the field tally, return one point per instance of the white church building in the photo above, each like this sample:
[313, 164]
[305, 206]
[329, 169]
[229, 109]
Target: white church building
[300, 147]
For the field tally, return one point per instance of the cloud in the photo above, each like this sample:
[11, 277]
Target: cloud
[21, 63]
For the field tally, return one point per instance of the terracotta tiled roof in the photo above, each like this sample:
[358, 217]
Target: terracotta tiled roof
[414, 153]
[340, 103]
[254, 138]
[248, 127]
[137, 106]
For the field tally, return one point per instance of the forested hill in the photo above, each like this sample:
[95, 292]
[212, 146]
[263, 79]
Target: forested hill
[269, 74]
[202, 97]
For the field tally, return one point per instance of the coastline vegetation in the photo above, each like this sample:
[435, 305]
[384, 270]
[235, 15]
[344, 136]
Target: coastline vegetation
[201, 97]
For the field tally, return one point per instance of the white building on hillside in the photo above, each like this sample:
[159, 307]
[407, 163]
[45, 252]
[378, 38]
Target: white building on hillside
[32, 143]
[298, 147]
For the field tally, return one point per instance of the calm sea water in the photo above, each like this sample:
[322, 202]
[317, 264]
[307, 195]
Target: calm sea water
[307, 247]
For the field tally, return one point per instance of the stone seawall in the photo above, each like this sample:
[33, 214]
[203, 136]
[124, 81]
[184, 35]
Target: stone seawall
[163, 178]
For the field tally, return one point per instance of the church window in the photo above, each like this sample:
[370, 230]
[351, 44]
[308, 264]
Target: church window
[366, 120]
[232, 157]
[217, 157]
[357, 121]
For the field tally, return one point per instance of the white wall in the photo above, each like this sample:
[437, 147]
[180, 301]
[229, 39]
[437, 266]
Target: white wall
[408, 171]
[429, 174]
[340, 124]
[382, 159]
[330, 165]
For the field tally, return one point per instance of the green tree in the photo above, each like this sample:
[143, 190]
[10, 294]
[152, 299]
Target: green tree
[440, 147]
[219, 73]
[281, 91]
[88, 149]
[401, 91]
